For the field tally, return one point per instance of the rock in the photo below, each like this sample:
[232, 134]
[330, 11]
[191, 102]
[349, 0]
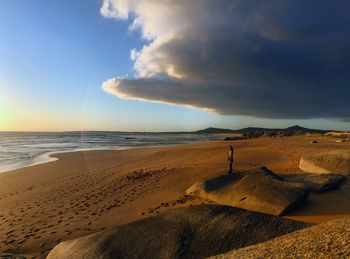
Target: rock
[340, 141]
[326, 240]
[316, 183]
[323, 182]
[191, 232]
[11, 256]
[257, 190]
[336, 162]
[314, 142]
[233, 138]
[338, 134]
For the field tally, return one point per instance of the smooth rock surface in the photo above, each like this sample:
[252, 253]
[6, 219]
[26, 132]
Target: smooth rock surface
[323, 182]
[256, 190]
[11, 256]
[326, 240]
[317, 183]
[191, 232]
[336, 162]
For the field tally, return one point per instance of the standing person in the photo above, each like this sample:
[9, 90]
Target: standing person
[230, 159]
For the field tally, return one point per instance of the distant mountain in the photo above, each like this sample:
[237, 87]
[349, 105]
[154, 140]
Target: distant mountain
[214, 131]
[294, 130]
[250, 130]
[239, 131]
[301, 130]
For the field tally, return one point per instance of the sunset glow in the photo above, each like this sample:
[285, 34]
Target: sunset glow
[174, 129]
[4, 117]
[110, 65]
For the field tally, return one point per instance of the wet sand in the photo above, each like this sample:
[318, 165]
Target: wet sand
[84, 192]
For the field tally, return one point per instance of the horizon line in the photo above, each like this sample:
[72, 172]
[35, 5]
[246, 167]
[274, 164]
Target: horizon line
[175, 131]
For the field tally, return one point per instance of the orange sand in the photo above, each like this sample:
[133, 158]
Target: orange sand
[84, 192]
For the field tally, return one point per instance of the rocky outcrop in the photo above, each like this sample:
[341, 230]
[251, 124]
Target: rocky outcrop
[336, 162]
[326, 240]
[323, 182]
[257, 190]
[317, 183]
[11, 256]
[191, 232]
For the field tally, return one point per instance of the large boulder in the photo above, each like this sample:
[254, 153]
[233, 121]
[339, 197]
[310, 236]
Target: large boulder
[317, 183]
[323, 182]
[192, 232]
[11, 256]
[256, 190]
[326, 240]
[337, 162]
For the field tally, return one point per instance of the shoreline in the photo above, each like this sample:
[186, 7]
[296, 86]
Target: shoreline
[48, 157]
[27, 151]
[84, 192]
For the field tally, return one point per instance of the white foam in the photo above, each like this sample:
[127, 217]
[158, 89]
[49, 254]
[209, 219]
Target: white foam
[47, 158]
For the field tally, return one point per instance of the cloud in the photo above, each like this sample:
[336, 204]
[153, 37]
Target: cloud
[272, 59]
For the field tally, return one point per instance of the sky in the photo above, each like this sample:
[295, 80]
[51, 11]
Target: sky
[160, 65]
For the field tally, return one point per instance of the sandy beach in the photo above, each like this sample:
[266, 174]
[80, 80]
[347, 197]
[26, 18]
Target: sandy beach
[85, 192]
[141, 129]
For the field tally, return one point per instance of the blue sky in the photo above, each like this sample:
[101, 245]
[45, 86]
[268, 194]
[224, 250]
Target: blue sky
[54, 57]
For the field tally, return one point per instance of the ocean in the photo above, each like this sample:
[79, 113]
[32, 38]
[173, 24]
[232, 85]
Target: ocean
[21, 149]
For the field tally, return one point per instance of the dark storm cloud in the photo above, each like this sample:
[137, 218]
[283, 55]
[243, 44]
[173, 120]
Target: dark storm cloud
[275, 59]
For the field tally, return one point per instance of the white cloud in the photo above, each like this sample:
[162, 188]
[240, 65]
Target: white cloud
[118, 9]
[273, 58]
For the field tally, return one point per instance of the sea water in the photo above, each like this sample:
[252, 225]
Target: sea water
[21, 149]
